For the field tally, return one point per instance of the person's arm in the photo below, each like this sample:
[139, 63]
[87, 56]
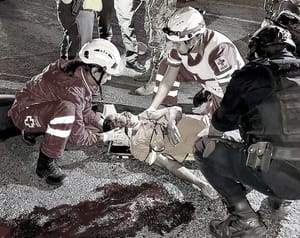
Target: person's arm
[93, 118]
[224, 60]
[175, 115]
[80, 135]
[226, 117]
[165, 86]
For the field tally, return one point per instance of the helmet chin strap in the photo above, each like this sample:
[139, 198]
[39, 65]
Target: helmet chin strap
[98, 81]
[193, 47]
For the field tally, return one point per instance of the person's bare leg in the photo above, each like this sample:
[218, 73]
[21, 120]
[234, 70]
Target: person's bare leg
[182, 172]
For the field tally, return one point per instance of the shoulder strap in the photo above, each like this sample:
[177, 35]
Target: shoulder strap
[286, 64]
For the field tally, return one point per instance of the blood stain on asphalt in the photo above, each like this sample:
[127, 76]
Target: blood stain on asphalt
[122, 211]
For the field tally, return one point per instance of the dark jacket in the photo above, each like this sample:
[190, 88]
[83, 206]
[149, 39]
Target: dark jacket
[253, 86]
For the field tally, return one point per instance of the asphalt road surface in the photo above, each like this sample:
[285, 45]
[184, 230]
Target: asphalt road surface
[108, 196]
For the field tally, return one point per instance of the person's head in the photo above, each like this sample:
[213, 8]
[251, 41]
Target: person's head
[269, 42]
[102, 58]
[288, 17]
[124, 119]
[288, 14]
[185, 28]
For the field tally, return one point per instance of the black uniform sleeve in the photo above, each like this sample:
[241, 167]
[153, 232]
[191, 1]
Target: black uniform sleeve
[226, 117]
[247, 88]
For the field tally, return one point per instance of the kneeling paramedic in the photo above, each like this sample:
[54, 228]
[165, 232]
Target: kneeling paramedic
[263, 100]
[58, 103]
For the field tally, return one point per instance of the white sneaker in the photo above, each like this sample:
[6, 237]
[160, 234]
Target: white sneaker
[145, 90]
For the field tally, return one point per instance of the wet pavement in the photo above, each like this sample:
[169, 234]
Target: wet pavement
[108, 196]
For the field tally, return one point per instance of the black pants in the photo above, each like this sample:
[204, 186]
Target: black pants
[68, 22]
[105, 18]
[224, 166]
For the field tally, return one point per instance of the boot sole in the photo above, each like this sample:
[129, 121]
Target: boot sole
[258, 232]
[136, 70]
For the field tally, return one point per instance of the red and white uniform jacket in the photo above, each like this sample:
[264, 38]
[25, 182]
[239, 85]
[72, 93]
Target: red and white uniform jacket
[54, 85]
[212, 66]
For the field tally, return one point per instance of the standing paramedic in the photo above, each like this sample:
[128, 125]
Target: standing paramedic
[57, 102]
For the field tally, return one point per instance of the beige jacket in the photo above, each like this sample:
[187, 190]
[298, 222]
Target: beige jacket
[95, 5]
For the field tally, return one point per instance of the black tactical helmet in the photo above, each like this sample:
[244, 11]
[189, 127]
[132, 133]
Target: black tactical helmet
[288, 13]
[269, 36]
[288, 9]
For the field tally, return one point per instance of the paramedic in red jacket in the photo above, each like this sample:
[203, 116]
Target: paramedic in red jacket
[57, 102]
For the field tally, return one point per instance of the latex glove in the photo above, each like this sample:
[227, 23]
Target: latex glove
[173, 133]
[152, 114]
[206, 121]
[116, 134]
[145, 114]
[233, 135]
[203, 132]
[202, 108]
[175, 113]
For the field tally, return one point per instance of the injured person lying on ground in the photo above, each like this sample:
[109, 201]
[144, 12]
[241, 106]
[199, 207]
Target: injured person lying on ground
[165, 140]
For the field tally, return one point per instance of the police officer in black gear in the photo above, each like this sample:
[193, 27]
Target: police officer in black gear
[263, 101]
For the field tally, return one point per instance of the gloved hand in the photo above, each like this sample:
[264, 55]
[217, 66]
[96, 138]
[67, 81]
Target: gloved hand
[201, 109]
[152, 114]
[175, 113]
[116, 134]
[205, 131]
[173, 133]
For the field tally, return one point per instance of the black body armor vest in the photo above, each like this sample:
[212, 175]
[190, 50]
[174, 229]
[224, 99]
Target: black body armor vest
[277, 118]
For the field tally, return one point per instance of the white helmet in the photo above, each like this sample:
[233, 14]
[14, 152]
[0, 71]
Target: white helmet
[103, 53]
[184, 24]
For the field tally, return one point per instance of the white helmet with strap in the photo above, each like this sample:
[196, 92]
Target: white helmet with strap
[103, 53]
[184, 24]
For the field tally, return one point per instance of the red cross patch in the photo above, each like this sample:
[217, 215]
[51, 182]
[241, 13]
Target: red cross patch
[222, 64]
[29, 122]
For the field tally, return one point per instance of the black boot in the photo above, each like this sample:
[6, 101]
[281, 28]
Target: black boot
[243, 222]
[47, 168]
[135, 65]
[29, 138]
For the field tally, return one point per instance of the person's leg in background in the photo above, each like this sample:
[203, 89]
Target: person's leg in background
[124, 12]
[104, 19]
[71, 40]
[64, 46]
[85, 21]
[157, 14]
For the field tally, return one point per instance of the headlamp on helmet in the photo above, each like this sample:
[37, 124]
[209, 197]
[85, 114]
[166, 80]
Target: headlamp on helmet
[184, 24]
